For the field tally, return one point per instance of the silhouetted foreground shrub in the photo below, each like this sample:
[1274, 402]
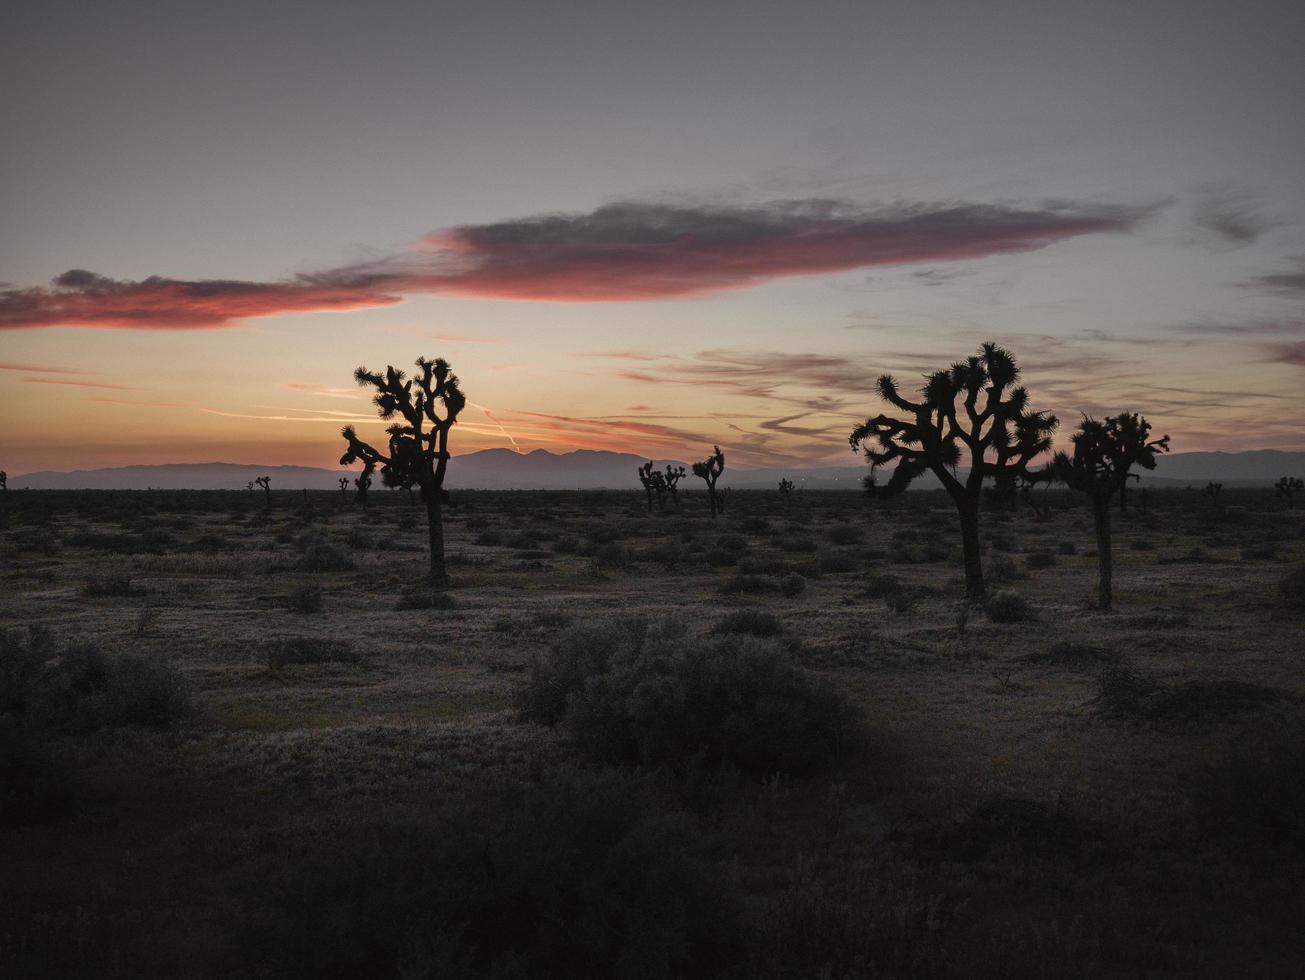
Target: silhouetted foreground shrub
[1292, 585]
[755, 622]
[1126, 693]
[1008, 607]
[1259, 787]
[34, 788]
[641, 694]
[81, 689]
[308, 650]
[586, 877]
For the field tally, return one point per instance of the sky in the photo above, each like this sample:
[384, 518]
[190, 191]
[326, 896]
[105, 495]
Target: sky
[641, 227]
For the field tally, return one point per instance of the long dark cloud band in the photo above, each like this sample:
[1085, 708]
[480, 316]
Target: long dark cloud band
[617, 253]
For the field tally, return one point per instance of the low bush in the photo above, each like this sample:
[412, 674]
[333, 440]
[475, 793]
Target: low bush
[591, 875]
[308, 650]
[111, 587]
[750, 584]
[754, 622]
[321, 554]
[1038, 560]
[1067, 548]
[635, 696]
[1129, 694]
[792, 585]
[1008, 607]
[305, 599]
[1292, 585]
[844, 534]
[840, 562]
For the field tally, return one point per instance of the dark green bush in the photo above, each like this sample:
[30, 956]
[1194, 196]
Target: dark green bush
[308, 650]
[320, 554]
[1008, 607]
[634, 696]
[589, 876]
[305, 599]
[792, 585]
[755, 622]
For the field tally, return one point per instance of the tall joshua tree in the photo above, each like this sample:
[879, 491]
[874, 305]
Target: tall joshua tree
[646, 474]
[363, 482]
[1287, 487]
[710, 470]
[786, 490]
[4, 483]
[427, 406]
[971, 411]
[672, 476]
[1104, 452]
[266, 483]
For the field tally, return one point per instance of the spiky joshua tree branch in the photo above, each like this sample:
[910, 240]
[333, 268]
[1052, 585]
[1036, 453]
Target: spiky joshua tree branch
[972, 411]
[425, 408]
[1104, 453]
[710, 470]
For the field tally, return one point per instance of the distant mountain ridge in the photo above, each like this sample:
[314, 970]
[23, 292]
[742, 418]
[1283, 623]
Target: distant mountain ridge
[589, 469]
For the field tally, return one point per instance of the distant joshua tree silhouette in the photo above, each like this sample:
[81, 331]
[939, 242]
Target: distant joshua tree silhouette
[1212, 490]
[710, 470]
[1104, 452]
[671, 476]
[266, 483]
[970, 409]
[786, 491]
[363, 483]
[646, 477]
[344, 488]
[1287, 487]
[4, 483]
[419, 445]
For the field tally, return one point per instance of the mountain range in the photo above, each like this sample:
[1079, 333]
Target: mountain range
[586, 469]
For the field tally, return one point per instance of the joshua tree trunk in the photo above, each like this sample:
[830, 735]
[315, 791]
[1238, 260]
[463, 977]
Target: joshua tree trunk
[971, 547]
[648, 491]
[435, 522]
[711, 496]
[1105, 565]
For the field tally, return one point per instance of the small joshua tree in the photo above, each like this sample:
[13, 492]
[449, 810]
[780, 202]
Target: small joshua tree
[344, 488]
[710, 470]
[419, 444]
[786, 491]
[363, 483]
[266, 483]
[1287, 487]
[971, 410]
[4, 483]
[1212, 490]
[1104, 452]
[671, 476]
[646, 473]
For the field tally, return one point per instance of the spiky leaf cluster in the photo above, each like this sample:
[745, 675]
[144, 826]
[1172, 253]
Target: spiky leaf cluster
[1104, 453]
[972, 410]
[711, 468]
[424, 407]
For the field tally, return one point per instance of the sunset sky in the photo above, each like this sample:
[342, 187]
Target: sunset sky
[644, 227]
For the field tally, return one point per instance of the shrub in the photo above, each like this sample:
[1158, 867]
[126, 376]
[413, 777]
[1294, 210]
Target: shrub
[425, 598]
[81, 689]
[565, 544]
[799, 546]
[111, 586]
[734, 544]
[1038, 560]
[844, 534]
[881, 584]
[1067, 548]
[612, 556]
[1008, 607]
[1292, 585]
[748, 584]
[717, 558]
[1126, 693]
[754, 622]
[1141, 544]
[839, 562]
[320, 554]
[792, 585]
[638, 698]
[588, 876]
[308, 650]
[34, 787]
[489, 538]
[1003, 569]
[305, 599]
[1259, 786]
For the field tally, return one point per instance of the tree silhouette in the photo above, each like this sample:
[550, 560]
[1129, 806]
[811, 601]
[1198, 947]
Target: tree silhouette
[646, 474]
[419, 444]
[1212, 490]
[363, 482]
[4, 483]
[1287, 487]
[1104, 452]
[710, 470]
[344, 488]
[266, 483]
[786, 491]
[971, 410]
[672, 476]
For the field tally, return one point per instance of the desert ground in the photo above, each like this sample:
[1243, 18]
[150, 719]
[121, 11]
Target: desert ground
[240, 739]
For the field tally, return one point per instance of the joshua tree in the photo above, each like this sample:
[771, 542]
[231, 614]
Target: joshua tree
[672, 476]
[970, 410]
[344, 488]
[710, 470]
[1212, 491]
[250, 486]
[1287, 487]
[419, 444]
[646, 474]
[4, 482]
[266, 483]
[786, 491]
[1104, 452]
[363, 482]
